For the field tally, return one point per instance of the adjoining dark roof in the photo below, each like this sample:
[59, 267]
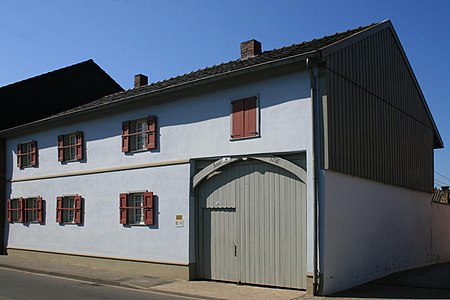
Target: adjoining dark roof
[437, 196]
[44, 95]
[266, 56]
[440, 197]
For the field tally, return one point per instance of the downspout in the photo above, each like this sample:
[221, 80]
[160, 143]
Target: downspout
[315, 170]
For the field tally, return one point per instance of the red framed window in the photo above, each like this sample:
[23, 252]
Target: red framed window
[139, 134]
[25, 210]
[27, 154]
[33, 210]
[244, 118]
[70, 147]
[69, 209]
[136, 208]
[15, 210]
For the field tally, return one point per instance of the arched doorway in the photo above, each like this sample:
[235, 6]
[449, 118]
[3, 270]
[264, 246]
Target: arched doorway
[252, 221]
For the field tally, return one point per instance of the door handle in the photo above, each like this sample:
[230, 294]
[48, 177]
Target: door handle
[235, 250]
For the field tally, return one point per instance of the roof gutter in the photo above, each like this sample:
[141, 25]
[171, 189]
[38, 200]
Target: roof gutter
[181, 86]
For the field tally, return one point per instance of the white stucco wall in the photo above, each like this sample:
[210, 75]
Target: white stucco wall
[440, 242]
[189, 128]
[101, 233]
[370, 229]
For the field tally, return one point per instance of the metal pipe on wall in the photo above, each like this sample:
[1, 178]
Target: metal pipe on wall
[315, 170]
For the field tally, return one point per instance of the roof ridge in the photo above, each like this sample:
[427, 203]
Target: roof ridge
[269, 51]
[267, 56]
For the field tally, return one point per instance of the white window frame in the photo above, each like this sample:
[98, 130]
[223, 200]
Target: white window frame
[15, 213]
[138, 142]
[26, 156]
[26, 159]
[33, 213]
[133, 201]
[70, 153]
[68, 216]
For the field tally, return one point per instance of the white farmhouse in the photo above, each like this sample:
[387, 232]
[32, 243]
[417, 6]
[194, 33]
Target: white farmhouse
[307, 167]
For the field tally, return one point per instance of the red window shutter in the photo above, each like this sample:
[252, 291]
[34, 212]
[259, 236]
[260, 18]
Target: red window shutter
[78, 209]
[21, 209]
[19, 155]
[123, 208]
[59, 201]
[79, 146]
[39, 210]
[25, 210]
[250, 117]
[34, 154]
[148, 208]
[237, 119]
[151, 132]
[125, 136]
[9, 211]
[60, 148]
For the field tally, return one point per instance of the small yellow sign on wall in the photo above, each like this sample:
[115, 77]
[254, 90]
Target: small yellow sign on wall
[179, 222]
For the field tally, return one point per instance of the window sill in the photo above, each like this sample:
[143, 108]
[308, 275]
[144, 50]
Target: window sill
[245, 138]
[137, 151]
[27, 167]
[69, 161]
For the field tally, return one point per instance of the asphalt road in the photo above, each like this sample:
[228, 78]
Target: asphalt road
[20, 285]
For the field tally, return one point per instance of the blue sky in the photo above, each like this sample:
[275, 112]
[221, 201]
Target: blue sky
[163, 39]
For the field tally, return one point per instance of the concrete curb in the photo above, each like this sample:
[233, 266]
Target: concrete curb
[183, 294]
[103, 281]
[65, 275]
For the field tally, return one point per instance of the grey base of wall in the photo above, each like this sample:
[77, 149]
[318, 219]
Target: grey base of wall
[154, 269]
[309, 284]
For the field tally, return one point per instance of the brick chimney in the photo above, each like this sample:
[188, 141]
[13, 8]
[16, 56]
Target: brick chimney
[140, 80]
[250, 49]
[445, 195]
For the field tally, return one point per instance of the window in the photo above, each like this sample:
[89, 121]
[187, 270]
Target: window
[139, 134]
[15, 210]
[136, 208]
[33, 209]
[25, 210]
[27, 154]
[69, 209]
[70, 147]
[244, 118]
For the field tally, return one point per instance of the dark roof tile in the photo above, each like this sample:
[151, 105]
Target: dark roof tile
[234, 65]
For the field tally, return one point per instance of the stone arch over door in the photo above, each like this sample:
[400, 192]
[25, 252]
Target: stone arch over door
[274, 160]
[252, 221]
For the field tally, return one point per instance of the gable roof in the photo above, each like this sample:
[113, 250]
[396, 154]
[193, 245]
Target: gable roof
[224, 68]
[44, 95]
[285, 55]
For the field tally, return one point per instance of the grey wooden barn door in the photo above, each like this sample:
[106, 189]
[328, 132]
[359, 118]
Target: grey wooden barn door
[253, 226]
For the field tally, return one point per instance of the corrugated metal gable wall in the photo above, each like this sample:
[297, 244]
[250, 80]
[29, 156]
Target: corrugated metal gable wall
[378, 127]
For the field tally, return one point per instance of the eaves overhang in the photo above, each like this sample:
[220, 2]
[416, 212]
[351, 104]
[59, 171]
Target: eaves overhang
[148, 95]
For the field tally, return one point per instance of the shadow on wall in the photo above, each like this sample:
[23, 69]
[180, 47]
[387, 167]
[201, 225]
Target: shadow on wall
[192, 110]
[429, 282]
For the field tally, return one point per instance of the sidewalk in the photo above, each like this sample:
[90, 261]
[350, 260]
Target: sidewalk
[198, 289]
[431, 282]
